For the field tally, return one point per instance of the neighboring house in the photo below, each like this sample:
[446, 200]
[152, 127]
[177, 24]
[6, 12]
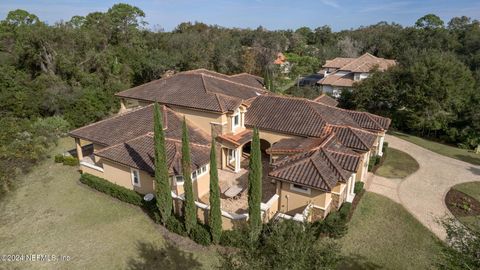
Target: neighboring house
[340, 73]
[313, 152]
[281, 61]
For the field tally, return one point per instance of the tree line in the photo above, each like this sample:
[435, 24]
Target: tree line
[70, 70]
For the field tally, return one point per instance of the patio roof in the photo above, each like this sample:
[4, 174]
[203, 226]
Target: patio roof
[237, 139]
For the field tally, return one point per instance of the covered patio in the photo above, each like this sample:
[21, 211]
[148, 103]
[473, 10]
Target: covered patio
[229, 180]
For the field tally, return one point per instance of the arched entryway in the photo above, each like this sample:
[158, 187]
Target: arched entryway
[264, 145]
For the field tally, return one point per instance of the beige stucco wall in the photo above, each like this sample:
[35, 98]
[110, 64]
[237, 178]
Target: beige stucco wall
[121, 175]
[295, 202]
[200, 118]
[361, 174]
[272, 137]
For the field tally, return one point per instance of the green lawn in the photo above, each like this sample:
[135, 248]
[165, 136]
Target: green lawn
[397, 164]
[52, 213]
[472, 189]
[382, 234]
[442, 149]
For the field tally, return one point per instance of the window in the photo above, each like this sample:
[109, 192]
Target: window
[194, 175]
[299, 188]
[135, 177]
[236, 120]
[179, 179]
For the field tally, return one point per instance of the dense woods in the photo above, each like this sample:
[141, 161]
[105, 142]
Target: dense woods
[64, 75]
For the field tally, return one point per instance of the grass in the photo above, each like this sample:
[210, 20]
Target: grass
[473, 190]
[397, 164]
[442, 149]
[382, 234]
[50, 212]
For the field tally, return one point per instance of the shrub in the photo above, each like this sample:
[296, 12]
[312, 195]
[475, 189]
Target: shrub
[70, 161]
[175, 225]
[116, 191]
[333, 226]
[234, 238]
[59, 158]
[201, 235]
[345, 210]
[374, 160]
[358, 187]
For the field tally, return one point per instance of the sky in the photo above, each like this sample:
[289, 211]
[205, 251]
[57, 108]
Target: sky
[271, 14]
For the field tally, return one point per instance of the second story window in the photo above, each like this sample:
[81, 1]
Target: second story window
[235, 120]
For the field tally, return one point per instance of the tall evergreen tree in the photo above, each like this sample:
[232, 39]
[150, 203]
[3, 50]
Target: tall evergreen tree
[215, 214]
[255, 187]
[162, 183]
[190, 214]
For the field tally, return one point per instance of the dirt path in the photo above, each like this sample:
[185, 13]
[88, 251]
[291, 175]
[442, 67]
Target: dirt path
[423, 192]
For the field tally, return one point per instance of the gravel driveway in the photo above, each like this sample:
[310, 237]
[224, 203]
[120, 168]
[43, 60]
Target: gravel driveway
[423, 192]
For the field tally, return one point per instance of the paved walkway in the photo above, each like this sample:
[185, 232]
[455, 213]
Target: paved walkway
[423, 192]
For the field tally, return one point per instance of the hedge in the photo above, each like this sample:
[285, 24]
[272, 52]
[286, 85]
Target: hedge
[201, 235]
[70, 161]
[116, 191]
[59, 158]
[358, 187]
[335, 224]
[234, 238]
[175, 224]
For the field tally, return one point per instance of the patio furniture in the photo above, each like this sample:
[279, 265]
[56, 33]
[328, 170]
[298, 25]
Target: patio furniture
[233, 191]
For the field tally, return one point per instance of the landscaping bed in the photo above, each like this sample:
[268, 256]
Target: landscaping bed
[464, 207]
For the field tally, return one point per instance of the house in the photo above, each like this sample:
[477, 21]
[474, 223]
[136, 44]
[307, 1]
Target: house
[340, 73]
[281, 61]
[313, 152]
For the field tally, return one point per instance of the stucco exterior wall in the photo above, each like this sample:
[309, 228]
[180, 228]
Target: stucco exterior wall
[121, 175]
[200, 118]
[292, 201]
[273, 137]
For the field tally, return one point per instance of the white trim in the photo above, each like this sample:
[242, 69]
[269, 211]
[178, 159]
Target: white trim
[235, 114]
[269, 203]
[308, 191]
[132, 175]
[91, 166]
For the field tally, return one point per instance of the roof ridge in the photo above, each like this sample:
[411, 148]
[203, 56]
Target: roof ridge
[219, 102]
[360, 139]
[354, 128]
[127, 141]
[204, 84]
[318, 171]
[241, 84]
[114, 116]
[244, 73]
[333, 162]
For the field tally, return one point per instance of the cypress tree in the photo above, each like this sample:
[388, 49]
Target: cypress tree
[215, 214]
[255, 187]
[190, 214]
[162, 182]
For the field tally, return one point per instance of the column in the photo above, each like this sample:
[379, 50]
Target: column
[237, 159]
[380, 146]
[79, 149]
[123, 108]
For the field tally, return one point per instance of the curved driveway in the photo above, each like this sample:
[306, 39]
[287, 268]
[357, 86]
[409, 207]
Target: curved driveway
[423, 192]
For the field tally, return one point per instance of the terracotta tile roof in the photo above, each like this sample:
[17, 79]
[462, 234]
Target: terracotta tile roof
[364, 63]
[237, 139]
[139, 153]
[346, 158]
[248, 79]
[338, 80]
[337, 62]
[303, 117]
[317, 169]
[353, 138]
[197, 89]
[126, 126]
[367, 62]
[327, 100]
